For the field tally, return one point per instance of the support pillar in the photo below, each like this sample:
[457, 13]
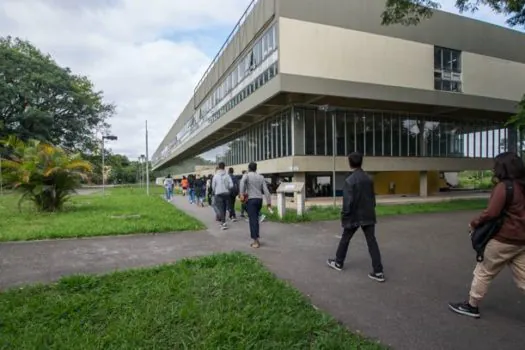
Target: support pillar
[299, 177]
[423, 184]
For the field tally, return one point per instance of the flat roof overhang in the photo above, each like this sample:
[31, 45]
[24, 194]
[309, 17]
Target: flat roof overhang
[285, 90]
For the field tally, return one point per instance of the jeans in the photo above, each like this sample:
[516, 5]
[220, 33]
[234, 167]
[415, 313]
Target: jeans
[373, 247]
[244, 208]
[192, 195]
[169, 193]
[231, 207]
[253, 207]
[221, 203]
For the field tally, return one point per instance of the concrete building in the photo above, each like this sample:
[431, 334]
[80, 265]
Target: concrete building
[301, 83]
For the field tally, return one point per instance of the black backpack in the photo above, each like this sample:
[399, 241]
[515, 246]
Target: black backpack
[234, 191]
[482, 234]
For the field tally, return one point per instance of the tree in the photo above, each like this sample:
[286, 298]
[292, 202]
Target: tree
[42, 101]
[42, 173]
[411, 12]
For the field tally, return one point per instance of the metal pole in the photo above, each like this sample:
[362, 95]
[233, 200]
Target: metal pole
[334, 144]
[103, 160]
[147, 160]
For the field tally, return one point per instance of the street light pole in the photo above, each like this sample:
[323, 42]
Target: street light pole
[147, 161]
[103, 180]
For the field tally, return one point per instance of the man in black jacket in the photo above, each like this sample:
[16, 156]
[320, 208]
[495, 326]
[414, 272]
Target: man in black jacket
[359, 202]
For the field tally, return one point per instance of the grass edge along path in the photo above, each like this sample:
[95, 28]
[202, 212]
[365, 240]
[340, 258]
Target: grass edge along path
[329, 213]
[221, 301]
[122, 211]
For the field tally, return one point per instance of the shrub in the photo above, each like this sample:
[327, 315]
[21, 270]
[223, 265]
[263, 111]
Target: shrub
[42, 173]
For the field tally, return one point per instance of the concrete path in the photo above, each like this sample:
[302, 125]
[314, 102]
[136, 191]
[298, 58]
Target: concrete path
[427, 260]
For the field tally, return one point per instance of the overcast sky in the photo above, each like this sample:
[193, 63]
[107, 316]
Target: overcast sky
[146, 55]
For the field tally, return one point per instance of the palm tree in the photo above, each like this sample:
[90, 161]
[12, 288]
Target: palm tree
[42, 173]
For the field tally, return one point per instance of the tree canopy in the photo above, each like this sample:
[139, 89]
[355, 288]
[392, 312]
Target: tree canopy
[411, 12]
[42, 101]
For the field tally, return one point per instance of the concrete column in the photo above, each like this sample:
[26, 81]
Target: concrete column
[281, 204]
[299, 177]
[423, 184]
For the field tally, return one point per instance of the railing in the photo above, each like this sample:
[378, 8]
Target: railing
[223, 47]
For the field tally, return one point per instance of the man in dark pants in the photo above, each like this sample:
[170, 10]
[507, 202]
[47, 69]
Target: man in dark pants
[222, 185]
[358, 210]
[234, 192]
[244, 208]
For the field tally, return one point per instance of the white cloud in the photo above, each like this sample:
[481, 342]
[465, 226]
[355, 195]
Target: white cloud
[130, 49]
[145, 55]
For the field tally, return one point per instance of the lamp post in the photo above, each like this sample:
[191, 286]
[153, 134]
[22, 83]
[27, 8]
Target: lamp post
[147, 160]
[110, 138]
[327, 109]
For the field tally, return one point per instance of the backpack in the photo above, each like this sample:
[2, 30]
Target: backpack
[482, 234]
[234, 191]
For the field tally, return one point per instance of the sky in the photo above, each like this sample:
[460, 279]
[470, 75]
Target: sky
[146, 55]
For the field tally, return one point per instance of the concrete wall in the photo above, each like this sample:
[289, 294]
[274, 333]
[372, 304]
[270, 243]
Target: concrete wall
[331, 52]
[493, 77]
[443, 29]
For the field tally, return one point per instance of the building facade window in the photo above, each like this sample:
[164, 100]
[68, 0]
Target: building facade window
[395, 134]
[447, 69]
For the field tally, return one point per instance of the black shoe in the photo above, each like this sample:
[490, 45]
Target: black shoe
[377, 276]
[464, 309]
[334, 265]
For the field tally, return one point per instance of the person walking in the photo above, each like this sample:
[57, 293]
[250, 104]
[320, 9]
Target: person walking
[358, 211]
[168, 187]
[200, 191]
[191, 188]
[507, 247]
[184, 185]
[253, 189]
[243, 204]
[234, 192]
[221, 185]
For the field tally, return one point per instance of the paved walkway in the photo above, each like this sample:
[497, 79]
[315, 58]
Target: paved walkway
[427, 258]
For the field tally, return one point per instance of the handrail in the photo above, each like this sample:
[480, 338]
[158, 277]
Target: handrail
[245, 14]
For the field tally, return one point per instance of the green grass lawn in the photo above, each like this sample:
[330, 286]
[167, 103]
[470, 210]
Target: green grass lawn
[334, 213]
[226, 301]
[120, 211]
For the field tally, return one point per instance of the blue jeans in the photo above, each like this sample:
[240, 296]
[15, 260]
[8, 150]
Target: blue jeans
[169, 193]
[191, 194]
[253, 207]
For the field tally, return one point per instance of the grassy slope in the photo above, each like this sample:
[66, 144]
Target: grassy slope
[94, 215]
[226, 301]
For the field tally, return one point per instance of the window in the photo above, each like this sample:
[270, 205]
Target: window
[447, 69]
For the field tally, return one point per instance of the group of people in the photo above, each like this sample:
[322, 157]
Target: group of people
[221, 191]
[250, 188]
[505, 246]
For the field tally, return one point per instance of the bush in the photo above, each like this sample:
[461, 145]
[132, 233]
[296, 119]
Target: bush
[42, 173]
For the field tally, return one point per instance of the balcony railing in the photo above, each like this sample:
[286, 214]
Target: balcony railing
[226, 42]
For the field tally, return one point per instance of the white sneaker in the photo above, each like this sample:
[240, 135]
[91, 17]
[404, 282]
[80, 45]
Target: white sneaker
[262, 218]
[224, 226]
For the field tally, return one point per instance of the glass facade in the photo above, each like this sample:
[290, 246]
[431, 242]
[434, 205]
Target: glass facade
[391, 134]
[269, 139]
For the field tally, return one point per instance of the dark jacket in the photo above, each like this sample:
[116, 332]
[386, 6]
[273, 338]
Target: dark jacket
[513, 229]
[359, 200]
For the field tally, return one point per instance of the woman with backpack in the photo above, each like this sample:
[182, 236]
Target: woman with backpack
[507, 246]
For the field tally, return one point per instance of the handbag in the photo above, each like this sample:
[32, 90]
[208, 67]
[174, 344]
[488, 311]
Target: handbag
[485, 231]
